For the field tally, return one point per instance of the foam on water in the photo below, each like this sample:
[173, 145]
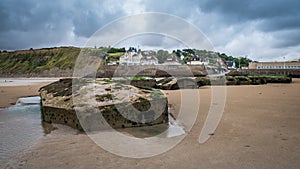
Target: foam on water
[29, 100]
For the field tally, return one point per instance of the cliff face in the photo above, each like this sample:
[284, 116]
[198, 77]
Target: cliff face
[97, 104]
[47, 62]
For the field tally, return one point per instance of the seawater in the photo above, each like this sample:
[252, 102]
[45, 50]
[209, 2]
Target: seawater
[20, 127]
[172, 129]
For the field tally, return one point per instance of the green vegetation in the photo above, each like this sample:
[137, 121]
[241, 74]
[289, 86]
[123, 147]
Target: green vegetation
[239, 62]
[63, 58]
[162, 55]
[156, 94]
[116, 50]
[38, 60]
[278, 79]
[256, 80]
[242, 80]
[138, 78]
[113, 57]
[202, 81]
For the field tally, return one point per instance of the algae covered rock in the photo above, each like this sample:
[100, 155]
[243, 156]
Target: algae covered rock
[95, 104]
[171, 83]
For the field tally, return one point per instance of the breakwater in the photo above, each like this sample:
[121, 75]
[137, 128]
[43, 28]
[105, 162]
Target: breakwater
[245, 72]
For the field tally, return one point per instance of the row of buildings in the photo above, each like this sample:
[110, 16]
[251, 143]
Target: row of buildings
[275, 65]
[135, 56]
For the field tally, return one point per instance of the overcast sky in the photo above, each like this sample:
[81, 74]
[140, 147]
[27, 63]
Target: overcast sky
[260, 29]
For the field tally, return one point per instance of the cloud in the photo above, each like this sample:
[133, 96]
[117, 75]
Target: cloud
[152, 41]
[251, 10]
[257, 28]
[34, 23]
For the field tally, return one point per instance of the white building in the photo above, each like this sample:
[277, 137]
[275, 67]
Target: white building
[131, 57]
[134, 57]
[149, 58]
[171, 60]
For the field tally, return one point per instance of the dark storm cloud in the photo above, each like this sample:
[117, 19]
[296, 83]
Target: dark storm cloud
[27, 16]
[234, 26]
[151, 40]
[89, 17]
[31, 23]
[288, 38]
[274, 14]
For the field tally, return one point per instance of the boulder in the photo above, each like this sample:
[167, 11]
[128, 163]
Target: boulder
[176, 83]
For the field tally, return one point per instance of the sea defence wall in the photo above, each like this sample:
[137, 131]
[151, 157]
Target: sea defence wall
[107, 71]
[144, 107]
[153, 71]
[246, 72]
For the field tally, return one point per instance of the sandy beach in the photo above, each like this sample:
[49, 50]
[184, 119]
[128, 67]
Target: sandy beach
[259, 129]
[12, 89]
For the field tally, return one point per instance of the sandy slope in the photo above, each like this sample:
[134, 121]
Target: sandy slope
[259, 129]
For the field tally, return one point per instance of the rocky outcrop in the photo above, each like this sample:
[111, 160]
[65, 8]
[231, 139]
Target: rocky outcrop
[266, 72]
[176, 83]
[109, 71]
[94, 103]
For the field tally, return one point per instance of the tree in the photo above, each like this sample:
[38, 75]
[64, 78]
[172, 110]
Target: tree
[244, 61]
[162, 55]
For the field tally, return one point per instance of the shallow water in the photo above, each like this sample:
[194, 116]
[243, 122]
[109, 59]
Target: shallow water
[20, 127]
[162, 130]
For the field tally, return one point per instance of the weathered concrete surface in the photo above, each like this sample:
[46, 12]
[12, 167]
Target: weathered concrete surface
[99, 102]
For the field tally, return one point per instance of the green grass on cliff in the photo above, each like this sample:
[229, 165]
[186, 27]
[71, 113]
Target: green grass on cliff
[28, 61]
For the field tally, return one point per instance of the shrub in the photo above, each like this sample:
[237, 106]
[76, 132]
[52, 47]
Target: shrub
[278, 79]
[202, 81]
[242, 80]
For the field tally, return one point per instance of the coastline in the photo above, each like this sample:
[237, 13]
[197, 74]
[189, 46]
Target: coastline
[259, 129]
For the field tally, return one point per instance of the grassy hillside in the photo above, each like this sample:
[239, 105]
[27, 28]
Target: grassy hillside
[58, 59]
[27, 61]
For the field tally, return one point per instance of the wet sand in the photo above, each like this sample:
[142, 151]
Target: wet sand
[12, 89]
[259, 129]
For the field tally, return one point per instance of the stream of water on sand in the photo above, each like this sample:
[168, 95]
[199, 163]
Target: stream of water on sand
[20, 127]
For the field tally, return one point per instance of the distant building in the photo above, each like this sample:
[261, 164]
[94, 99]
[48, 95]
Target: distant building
[135, 57]
[221, 64]
[171, 60]
[148, 58]
[275, 65]
[131, 57]
[197, 60]
[231, 64]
